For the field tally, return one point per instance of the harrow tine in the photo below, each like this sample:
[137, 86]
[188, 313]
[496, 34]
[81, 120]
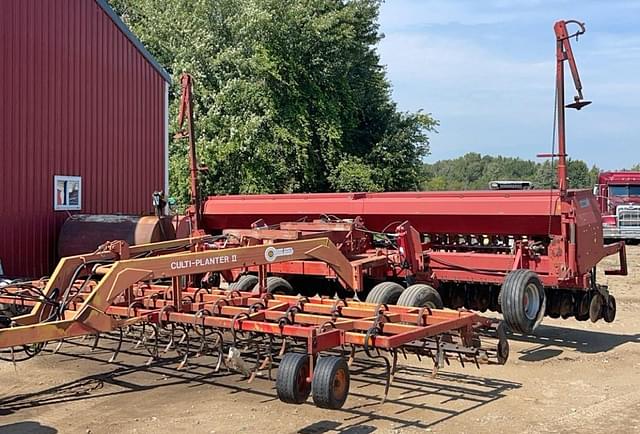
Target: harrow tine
[154, 352]
[266, 362]
[394, 364]
[370, 336]
[182, 339]
[283, 349]
[96, 340]
[183, 362]
[169, 345]
[270, 369]
[57, 348]
[172, 339]
[352, 356]
[203, 346]
[256, 368]
[220, 344]
[141, 339]
[185, 336]
[437, 358]
[404, 353]
[118, 347]
[389, 378]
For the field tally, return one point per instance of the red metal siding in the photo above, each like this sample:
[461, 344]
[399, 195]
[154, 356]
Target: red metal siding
[77, 98]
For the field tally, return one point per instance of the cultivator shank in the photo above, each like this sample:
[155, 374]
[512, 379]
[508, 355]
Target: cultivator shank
[147, 293]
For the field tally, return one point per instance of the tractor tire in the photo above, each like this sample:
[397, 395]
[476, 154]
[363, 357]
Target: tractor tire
[609, 310]
[276, 285]
[330, 385]
[291, 380]
[385, 293]
[246, 282]
[523, 300]
[420, 295]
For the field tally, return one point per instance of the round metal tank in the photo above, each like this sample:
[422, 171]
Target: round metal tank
[83, 233]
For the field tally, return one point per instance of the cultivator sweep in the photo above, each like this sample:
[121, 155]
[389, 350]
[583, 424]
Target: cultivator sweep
[149, 293]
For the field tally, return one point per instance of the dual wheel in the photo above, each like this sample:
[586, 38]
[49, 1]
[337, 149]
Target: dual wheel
[330, 385]
[418, 295]
[275, 285]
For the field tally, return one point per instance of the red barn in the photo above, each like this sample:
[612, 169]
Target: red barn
[83, 124]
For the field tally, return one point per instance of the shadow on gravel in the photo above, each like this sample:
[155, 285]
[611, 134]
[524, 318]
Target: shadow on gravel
[584, 341]
[325, 426]
[27, 427]
[416, 400]
[539, 354]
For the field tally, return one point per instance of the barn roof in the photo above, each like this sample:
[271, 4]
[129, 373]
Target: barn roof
[134, 40]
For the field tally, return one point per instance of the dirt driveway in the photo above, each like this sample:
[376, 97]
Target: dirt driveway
[571, 377]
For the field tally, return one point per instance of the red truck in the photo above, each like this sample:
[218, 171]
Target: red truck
[618, 196]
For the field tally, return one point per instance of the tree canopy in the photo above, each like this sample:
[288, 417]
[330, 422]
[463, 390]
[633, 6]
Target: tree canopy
[474, 171]
[289, 95]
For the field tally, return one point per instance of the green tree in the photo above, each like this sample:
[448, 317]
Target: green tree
[353, 174]
[579, 175]
[474, 171]
[290, 94]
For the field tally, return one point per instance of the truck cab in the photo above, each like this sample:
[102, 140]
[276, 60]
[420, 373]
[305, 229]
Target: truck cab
[618, 196]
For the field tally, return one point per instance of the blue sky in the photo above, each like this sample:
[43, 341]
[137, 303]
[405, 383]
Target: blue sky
[486, 70]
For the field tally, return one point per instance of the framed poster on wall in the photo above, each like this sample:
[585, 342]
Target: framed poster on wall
[67, 193]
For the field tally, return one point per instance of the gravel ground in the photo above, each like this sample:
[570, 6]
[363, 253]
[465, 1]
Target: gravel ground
[571, 377]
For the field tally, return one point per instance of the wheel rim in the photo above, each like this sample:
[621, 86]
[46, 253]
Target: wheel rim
[531, 301]
[339, 384]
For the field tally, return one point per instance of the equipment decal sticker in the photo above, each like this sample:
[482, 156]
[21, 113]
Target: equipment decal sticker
[271, 253]
[203, 262]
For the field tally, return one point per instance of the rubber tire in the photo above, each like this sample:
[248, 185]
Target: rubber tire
[420, 295]
[512, 300]
[276, 285]
[502, 352]
[385, 292]
[245, 283]
[324, 377]
[292, 367]
[609, 310]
